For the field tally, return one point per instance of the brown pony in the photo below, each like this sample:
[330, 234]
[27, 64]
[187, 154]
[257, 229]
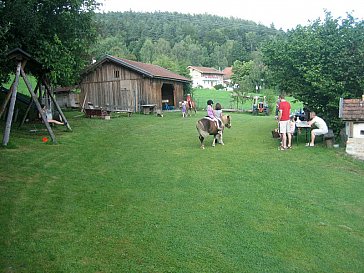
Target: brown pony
[190, 106]
[206, 127]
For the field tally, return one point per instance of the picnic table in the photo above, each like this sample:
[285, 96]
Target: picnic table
[96, 112]
[303, 125]
[148, 108]
[128, 112]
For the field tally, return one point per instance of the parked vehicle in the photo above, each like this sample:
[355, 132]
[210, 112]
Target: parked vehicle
[260, 105]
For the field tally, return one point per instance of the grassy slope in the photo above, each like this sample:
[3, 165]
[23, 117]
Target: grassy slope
[22, 88]
[224, 97]
[138, 195]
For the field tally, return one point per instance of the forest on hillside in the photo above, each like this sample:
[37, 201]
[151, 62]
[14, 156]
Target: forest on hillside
[171, 39]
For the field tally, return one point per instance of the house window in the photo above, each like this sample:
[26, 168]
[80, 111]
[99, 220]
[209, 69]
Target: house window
[362, 132]
[116, 74]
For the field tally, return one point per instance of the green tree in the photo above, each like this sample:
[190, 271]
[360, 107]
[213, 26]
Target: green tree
[147, 51]
[250, 75]
[252, 40]
[162, 48]
[189, 52]
[114, 46]
[201, 39]
[320, 63]
[57, 33]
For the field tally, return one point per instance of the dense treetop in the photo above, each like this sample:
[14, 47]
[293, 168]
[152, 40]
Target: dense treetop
[320, 63]
[57, 33]
[201, 39]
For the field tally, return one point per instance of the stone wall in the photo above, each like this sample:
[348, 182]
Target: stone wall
[355, 147]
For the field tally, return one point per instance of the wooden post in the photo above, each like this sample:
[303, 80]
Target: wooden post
[84, 101]
[29, 106]
[11, 107]
[7, 99]
[56, 104]
[42, 114]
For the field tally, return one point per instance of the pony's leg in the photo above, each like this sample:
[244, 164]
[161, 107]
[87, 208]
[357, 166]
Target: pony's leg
[201, 141]
[221, 142]
[214, 141]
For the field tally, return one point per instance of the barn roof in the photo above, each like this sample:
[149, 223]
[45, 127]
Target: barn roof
[351, 109]
[65, 89]
[206, 70]
[148, 70]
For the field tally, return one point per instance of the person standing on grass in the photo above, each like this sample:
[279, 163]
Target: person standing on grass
[184, 109]
[284, 123]
[277, 107]
[292, 125]
[321, 128]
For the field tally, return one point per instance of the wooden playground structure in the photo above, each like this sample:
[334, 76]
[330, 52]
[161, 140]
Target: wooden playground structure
[24, 62]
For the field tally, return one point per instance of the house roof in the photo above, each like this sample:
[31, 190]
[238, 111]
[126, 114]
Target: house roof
[206, 70]
[148, 70]
[65, 89]
[228, 72]
[351, 109]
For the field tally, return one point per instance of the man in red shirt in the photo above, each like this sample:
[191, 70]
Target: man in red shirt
[284, 123]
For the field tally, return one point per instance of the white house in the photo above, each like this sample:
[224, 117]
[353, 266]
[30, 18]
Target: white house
[205, 77]
[352, 112]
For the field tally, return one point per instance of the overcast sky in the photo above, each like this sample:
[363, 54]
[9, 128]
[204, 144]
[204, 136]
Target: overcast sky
[285, 14]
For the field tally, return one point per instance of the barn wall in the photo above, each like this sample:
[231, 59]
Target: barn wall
[102, 88]
[66, 99]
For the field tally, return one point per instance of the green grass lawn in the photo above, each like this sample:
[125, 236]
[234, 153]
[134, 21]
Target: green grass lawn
[138, 195]
[224, 97]
[22, 88]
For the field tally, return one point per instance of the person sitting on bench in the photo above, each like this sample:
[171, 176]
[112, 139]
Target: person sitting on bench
[321, 128]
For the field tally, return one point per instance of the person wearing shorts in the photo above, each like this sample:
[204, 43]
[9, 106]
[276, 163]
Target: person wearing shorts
[321, 128]
[284, 123]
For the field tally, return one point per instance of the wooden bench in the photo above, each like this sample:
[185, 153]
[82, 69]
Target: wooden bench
[329, 138]
[96, 112]
[127, 112]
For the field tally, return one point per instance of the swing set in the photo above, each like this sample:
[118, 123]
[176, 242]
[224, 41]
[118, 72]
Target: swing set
[25, 62]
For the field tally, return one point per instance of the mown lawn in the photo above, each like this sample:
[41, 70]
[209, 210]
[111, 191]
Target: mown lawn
[201, 96]
[139, 195]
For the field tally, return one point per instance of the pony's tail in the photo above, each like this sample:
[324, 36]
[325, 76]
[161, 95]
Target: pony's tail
[201, 129]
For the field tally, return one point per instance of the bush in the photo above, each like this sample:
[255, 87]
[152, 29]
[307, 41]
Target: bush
[219, 86]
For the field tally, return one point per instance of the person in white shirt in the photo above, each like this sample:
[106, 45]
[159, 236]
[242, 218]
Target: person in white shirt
[321, 128]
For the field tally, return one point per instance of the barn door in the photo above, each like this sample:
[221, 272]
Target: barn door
[168, 93]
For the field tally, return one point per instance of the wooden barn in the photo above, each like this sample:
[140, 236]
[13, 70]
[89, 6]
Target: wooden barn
[121, 84]
[67, 97]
